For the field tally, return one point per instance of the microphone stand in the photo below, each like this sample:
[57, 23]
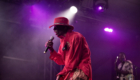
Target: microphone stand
[45, 67]
[136, 70]
[116, 77]
[45, 62]
[116, 68]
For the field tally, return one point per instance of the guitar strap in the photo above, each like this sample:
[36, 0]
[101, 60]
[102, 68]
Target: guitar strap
[122, 66]
[121, 69]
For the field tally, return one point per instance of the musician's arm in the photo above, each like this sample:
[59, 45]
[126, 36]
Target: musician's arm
[123, 72]
[56, 56]
[130, 70]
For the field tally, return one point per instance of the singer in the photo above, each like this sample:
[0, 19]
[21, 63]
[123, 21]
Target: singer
[73, 52]
[124, 69]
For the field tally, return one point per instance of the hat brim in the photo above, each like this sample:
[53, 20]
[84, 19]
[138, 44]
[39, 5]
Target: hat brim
[71, 27]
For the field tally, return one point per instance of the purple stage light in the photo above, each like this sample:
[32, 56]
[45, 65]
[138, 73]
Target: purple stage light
[100, 8]
[108, 30]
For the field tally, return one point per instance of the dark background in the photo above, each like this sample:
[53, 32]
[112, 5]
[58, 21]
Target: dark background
[24, 31]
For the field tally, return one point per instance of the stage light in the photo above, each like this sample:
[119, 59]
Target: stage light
[100, 5]
[69, 13]
[73, 9]
[108, 30]
[100, 8]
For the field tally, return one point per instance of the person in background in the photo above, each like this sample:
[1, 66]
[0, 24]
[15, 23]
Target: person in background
[124, 69]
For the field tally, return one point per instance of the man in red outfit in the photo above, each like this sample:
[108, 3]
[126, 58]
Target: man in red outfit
[73, 52]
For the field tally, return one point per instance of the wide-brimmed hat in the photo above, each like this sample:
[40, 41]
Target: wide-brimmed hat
[61, 21]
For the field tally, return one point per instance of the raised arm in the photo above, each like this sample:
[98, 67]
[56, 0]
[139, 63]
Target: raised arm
[57, 57]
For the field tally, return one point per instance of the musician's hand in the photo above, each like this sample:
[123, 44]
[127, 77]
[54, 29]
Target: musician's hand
[123, 72]
[50, 45]
[59, 77]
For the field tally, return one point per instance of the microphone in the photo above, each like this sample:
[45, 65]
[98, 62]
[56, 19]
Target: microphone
[51, 39]
[117, 59]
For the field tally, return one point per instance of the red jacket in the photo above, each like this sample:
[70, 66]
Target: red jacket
[77, 55]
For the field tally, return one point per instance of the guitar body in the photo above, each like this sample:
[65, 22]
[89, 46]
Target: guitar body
[129, 77]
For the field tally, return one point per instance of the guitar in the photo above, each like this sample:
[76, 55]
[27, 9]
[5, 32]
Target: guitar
[129, 77]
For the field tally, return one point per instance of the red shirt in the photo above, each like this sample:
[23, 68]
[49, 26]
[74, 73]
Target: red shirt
[77, 55]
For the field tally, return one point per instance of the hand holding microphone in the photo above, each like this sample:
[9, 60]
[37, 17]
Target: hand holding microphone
[116, 62]
[49, 44]
[116, 58]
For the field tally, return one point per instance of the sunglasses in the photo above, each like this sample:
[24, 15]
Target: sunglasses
[58, 27]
